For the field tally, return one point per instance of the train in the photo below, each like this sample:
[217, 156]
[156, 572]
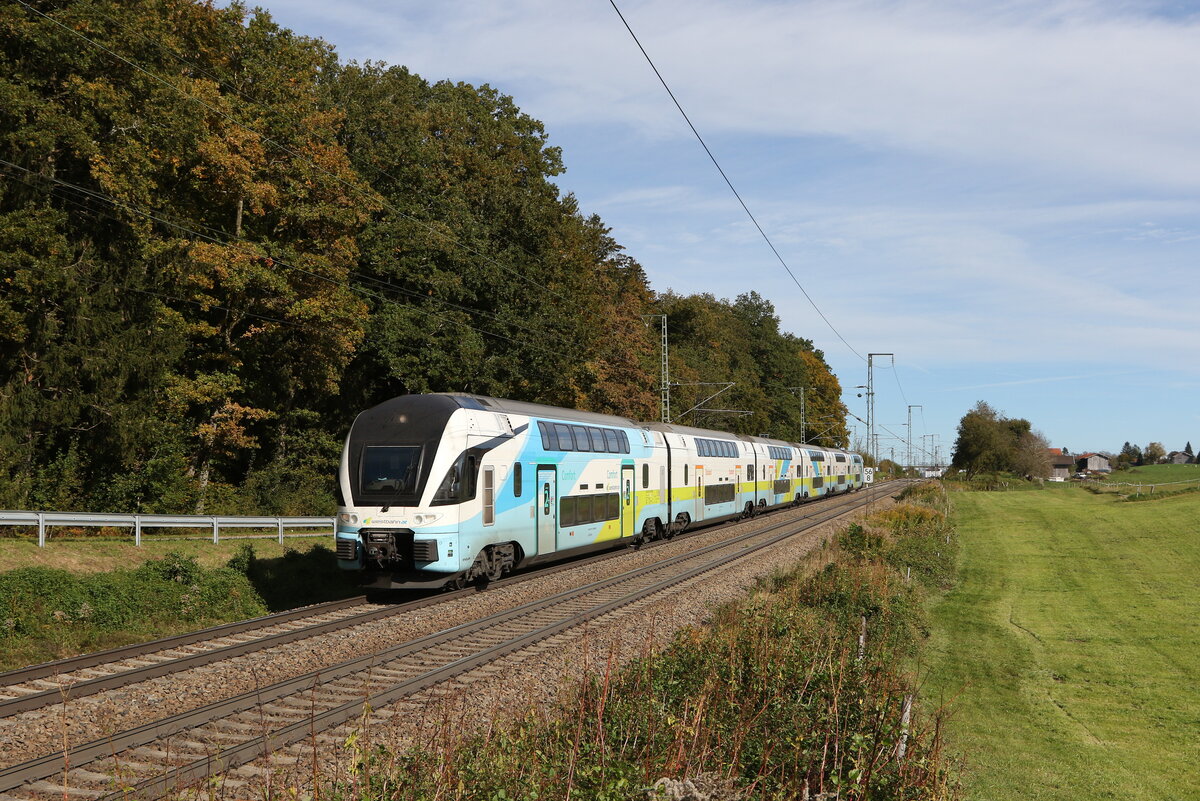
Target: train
[447, 489]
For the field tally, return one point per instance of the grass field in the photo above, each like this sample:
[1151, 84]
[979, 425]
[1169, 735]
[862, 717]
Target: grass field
[99, 554]
[1157, 474]
[1070, 650]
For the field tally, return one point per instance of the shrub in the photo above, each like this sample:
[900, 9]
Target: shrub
[58, 611]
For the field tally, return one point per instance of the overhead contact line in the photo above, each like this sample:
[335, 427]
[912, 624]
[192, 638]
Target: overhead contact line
[729, 183]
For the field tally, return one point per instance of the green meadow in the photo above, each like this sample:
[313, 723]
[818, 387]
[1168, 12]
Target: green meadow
[1069, 652]
[1156, 474]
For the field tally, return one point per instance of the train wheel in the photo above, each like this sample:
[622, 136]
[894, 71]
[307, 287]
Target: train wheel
[650, 530]
[495, 567]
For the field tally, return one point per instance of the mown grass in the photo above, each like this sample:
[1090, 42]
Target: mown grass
[1156, 474]
[97, 554]
[1070, 646]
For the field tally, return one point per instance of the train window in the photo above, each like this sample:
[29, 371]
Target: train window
[582, 442]
[562, 434]
[749, 472]
[612, 443]
[389, 470]
[732, 448]
[624, 442]
[702, 447]
[583, 509]
[516, 479]
[489, 495]
[597, 440]
[614, 505]
[471, 474]
[566, 511]
[548, 437]
[645, 476]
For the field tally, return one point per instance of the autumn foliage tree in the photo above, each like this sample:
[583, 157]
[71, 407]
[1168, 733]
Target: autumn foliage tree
[218, 243]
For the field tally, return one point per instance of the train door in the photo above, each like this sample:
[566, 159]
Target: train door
[547, 514]
[627, 506]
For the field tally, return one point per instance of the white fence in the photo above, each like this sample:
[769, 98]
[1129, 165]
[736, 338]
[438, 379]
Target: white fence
[215, 523]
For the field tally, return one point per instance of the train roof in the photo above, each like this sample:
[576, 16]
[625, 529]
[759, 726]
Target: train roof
[439, 405]
[503, 406]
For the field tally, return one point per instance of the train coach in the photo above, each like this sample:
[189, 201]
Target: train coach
[445, 489]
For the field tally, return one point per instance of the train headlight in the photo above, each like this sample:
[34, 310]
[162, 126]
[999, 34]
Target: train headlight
[426, 519]
[348, 518]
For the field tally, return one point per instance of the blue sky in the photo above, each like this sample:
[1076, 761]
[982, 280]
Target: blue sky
[1003, 194]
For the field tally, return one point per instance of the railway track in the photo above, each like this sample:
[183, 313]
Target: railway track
[49, 683]
[41, 685]
[152, 760]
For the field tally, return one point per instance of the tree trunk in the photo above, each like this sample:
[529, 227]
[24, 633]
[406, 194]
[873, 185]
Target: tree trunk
[203, 487]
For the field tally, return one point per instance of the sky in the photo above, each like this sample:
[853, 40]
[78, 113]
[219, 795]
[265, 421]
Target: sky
[1002, 194]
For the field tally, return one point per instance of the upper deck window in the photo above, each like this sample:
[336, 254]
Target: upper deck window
[587, 439]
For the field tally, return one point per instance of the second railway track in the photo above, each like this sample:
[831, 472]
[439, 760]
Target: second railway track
[175, 751]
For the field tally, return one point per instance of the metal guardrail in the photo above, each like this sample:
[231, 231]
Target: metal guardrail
[45, 520]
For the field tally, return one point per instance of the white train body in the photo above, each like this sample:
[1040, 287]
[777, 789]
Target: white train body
[443, 488]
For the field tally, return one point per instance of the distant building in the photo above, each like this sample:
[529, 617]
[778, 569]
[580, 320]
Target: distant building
[1061, 464]
[1092, 462]
[1178, 457]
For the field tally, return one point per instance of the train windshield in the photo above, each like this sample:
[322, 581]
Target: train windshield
[389, 471]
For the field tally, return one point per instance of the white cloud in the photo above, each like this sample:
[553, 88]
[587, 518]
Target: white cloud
[1093, 89]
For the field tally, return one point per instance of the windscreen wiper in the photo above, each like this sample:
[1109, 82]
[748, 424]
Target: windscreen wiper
[400, 488]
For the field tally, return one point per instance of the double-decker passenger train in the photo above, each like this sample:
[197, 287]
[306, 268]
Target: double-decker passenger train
[444, 489]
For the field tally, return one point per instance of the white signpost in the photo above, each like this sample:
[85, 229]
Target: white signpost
[868, 475]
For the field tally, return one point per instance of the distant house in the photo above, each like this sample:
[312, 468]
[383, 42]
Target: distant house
[1093, 462]
[1178, 457]
[1061, 464]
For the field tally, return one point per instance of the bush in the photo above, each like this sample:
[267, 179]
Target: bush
[57, 611]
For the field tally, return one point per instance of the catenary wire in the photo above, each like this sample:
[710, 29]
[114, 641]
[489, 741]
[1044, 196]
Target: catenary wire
[729, 183]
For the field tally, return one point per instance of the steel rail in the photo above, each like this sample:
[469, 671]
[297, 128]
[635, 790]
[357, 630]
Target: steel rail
[91, 686]
[260, 746]
[43, 767]
[73, 663]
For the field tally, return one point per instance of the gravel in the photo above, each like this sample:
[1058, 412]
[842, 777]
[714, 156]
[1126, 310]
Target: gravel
[498, 690]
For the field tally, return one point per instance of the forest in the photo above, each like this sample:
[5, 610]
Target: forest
[219, 242]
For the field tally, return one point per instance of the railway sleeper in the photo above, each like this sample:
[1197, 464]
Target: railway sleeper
[125, 767]
[48, 788]
[168, 756]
